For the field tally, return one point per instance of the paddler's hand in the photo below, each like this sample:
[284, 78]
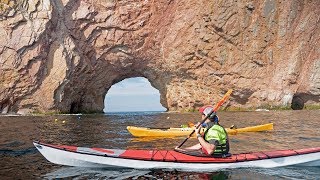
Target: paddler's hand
[197, 130]
[178, 149]
[196, 124]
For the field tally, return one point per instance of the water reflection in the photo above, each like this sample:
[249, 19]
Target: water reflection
[96, 173]
[90, 173]
[242, 173]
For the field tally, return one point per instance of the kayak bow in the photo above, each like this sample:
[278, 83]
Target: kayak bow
[143, 132]
[169, 159]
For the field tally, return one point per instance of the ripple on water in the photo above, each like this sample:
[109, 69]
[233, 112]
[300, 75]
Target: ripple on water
[292, 172]
[91, 173]
[16, 153]
[12, 144]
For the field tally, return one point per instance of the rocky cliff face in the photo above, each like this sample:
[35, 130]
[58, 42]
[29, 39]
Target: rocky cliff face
[64, 55]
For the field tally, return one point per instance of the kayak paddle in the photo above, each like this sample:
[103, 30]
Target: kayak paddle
[215, 109]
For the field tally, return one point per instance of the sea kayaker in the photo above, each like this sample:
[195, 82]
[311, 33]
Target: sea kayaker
[214, 140]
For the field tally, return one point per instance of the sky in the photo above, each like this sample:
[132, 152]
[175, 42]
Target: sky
[132, 94]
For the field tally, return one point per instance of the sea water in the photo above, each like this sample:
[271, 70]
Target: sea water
[21, 160]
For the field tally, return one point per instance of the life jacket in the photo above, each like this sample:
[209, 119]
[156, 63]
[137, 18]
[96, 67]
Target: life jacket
[217, 132]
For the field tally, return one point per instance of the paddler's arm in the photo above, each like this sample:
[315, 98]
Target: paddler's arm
[210, 148]
[191, 148]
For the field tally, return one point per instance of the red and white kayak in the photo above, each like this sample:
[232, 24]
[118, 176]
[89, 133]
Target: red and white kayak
[169, 159]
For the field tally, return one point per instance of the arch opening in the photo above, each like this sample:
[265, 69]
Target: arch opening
[133, 95]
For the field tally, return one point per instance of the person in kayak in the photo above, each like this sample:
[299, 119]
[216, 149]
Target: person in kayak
[214, 140]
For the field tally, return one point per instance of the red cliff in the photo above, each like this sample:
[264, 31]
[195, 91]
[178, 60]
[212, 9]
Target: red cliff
[65, 55]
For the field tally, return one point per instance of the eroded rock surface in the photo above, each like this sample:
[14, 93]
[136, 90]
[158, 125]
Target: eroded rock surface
[64, 55]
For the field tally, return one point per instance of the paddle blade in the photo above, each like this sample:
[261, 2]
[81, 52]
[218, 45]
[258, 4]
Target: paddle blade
[225, 97]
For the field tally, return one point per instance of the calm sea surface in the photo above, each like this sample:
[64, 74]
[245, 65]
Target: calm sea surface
[21, 160]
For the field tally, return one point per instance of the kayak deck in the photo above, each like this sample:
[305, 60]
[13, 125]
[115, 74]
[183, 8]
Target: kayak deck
[143, 132]
[169, 159]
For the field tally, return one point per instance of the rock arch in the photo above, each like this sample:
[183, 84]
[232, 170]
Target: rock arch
[64, 55]
[136, 90]
[91, 97]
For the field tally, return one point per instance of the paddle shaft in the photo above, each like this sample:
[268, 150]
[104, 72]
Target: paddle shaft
[218, 105]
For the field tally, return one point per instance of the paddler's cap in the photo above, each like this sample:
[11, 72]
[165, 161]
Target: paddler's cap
[206, 109]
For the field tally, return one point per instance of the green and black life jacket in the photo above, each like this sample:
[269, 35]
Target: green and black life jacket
[219, 134]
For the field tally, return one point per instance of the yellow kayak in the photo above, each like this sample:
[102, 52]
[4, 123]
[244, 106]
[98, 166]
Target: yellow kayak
[147, 132]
